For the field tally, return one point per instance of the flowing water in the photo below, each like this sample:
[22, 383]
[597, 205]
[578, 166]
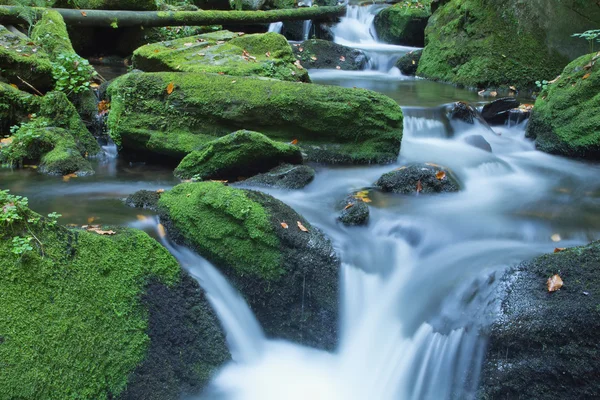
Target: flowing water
[417, 283]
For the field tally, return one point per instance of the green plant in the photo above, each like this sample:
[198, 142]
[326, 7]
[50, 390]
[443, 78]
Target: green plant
[27, 12]
[543, 85]
[72, 73]
[21, 245]
[54, 216]
[23, 136]
[591, 36]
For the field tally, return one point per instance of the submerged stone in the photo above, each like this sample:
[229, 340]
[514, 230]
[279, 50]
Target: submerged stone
[239, 154]
[463, 112]
[332, 124]
[403, 23]
[267, 55]
[419, 178]
[566, 117]
[288, 276]
[324, 54]
[285, 176]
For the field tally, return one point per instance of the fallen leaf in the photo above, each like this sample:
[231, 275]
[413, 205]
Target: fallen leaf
[221, 73]
[514, 89]
[349, 205]
[419, 186]
[188, 195]
[233, 81]
[313, 58]
[159, 191]
[201, 54]
[141, 217]
[588, 65]
[554, 283]
[494, 94]
[161, 230]
[6, 141]
[298, 65]
[13, 85]
[300, 49]
[284, 225]
[84, 13]
[156, 50]
[555, 238]
[103, 107]
[67, 178]
[413, 62]
[294, 142]
[170, 88]
[94, 85]
[101, 232]
[342, 58]
[220, 41]
[554, 80]
[302, 227]
[559, 249]
[220, 181]
[440, 175]
[586, 76]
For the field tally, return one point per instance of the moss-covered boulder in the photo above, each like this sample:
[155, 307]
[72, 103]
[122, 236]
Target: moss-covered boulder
[403, 23]
[50, 32]
[14, 106]
[239, 154]
[265, 54]
[20, 57]
[135, 5]
[289, 276]
[285, 176]
[483, 43]
[331, 124]
[88, 316]
[62, 158]
[409, 63]
[566, 117]
[324, 54]
[545, 345]
[425, 178]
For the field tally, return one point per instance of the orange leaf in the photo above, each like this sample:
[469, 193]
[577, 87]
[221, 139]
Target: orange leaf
[141, 217]
[170, 88]
[586, 76]
[13, 85]
[67, 178]
[554, 283]
[161, 230]
[302, 228]
[284, 225]
[6, 141]
[295, 141]
[159, 191]
[440, 175]
[348, 206]
[83, 13]
[419, 186]
[559, 249]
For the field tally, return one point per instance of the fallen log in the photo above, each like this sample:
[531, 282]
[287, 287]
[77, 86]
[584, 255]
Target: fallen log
[123, 19]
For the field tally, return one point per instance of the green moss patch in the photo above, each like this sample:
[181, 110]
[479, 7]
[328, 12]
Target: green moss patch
[403, 23]
[50, 32]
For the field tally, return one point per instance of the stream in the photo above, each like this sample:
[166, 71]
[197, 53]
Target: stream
[416, 283]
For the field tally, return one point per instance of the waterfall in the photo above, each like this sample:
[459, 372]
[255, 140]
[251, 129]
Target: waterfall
[275, 27]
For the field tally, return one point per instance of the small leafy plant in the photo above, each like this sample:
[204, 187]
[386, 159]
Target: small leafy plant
[21, 245]
[72, 73]
[22, 137]
[591, 36]
[543, 85]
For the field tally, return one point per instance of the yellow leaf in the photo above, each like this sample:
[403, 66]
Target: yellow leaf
[161, 231]
[6, 141]
[586, 76]
[302, 228]
[67, 178]
[159, 191]
[284, 225]
[440, 175]
[554, 283]
[141, 217]
[348, 206]
[170, 88]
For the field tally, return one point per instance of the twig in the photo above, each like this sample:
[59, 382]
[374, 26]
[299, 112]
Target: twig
[30, 86]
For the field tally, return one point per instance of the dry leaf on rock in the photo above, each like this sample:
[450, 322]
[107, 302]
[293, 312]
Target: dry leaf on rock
[440, 175]
[301, 227]
[554, 283]
[284, 225]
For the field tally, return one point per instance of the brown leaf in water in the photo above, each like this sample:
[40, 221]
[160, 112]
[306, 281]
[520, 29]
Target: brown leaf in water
[170, 87]
[301, 227]
[91, 219]
[440, 175]
[559, 249]
[554, 283]
[284, 225]
[67, 178]
[141, 217]
[419, 186]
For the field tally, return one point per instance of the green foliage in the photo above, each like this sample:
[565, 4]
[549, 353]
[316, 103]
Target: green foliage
[21, 245]
[591, 36]
[23, 137]
[542, 84]
[72, 73]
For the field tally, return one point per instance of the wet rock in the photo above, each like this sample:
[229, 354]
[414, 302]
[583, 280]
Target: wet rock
[293, 30]
[285, 176]
[545, 345]
[518, 115]
[479, 142]
[288, 276]
[408, 63]
[403, 23]
[354, 212]
[463, 112]
[242, 153]
[498, 111]
[405, 180]
[323, 54]
[143, 199]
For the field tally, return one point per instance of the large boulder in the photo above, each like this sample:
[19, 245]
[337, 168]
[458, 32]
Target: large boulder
[403, 23]
[93, 316]
[425, 178]
[566, 117]
[482, 43]
[288, 275]
[331, 124]
[265, 54]
[545, 345]
[239, 154]
[409, 63]
[324, 54]
[498, 112]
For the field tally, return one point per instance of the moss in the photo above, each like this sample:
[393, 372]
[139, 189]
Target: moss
[50, 32]
[64, 158]
[479, 43]
[332, 124]
[72, 325]
[14, 106]
[268, 55]
[242, 153]
[226, 226]
[403, 23]
[20, 57]
[566, 117]
[136, 5]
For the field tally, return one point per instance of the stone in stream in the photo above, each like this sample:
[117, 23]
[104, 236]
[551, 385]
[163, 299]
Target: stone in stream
[285, 268]
[431, 178]
[285, 176]
[354, 211]
[498, 111]
[332, 125]
[403, 23]
[92, 316]
[143, 199]
[267, 54]
[472, 42]
[239, 154]
[545, 345]
[479, 142]
[463, 112]
[323, 54]
[408, 63]
[566, 116]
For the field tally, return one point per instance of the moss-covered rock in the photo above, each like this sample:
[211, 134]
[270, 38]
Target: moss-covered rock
[135, 5]
[289, 277]
[482, 43]
[241, 153]
[409, 63]
[20, 57]
[545, 345]
[285, 176]
[332, 124]
[14, 106]
[64, 158]
[566, 117]
[264, 54]
[324, 54]
[403, 23]
[84, 315]
[419, 178]
[143, 199]
[50, 32]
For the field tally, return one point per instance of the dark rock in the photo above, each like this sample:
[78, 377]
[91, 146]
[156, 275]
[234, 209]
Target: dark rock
[293, 30]
[143, 199]
[403, 23]
[518, 115]
[479, 142]
[545, 345]
[408, 63]
[463, 112]
[354, 212]
[285, 176]
[405, 180]
[322, 54]
[498, 111]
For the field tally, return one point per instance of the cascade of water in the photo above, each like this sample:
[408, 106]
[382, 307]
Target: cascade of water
[275, 27]
[307, 24]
